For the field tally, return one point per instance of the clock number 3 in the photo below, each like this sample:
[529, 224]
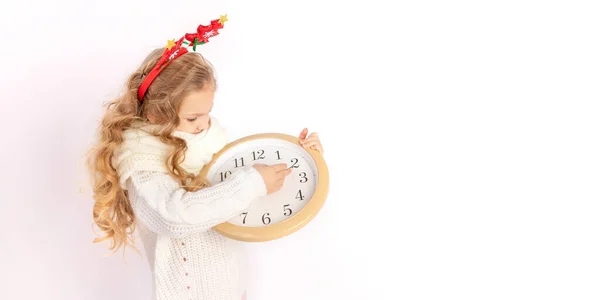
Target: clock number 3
[303, 177]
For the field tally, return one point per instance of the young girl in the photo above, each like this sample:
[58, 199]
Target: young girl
[154, 140]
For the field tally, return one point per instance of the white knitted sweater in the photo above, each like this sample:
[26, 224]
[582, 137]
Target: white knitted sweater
[188, 259]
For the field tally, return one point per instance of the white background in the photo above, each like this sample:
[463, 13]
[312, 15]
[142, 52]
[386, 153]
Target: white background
[464, 161]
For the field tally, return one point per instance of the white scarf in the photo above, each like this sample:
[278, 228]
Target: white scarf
[142, 151]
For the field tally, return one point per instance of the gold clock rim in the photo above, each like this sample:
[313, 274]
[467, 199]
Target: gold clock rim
[289, 225]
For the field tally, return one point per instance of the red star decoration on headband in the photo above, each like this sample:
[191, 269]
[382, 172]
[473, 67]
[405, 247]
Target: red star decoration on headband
[204, 32]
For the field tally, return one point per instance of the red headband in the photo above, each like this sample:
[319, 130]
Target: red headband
[174, 50]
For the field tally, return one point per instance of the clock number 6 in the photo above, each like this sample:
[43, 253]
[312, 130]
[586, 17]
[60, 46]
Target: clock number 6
[265, 219]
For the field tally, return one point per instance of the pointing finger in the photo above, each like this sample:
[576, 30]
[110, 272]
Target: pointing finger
[280, 167]
[281, 175]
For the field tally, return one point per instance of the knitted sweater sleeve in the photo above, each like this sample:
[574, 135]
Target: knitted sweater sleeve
[164, 207]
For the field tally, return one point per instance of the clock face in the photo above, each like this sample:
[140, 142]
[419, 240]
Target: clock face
[298, 188]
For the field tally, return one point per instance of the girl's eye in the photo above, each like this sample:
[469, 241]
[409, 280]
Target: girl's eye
[192, 120]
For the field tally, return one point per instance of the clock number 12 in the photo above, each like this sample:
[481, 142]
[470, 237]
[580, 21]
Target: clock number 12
[261, 154]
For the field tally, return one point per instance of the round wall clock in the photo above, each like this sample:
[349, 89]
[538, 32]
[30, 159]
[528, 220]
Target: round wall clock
[285, 211]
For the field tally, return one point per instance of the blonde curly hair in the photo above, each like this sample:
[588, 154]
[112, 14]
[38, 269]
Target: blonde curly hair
[112, 211]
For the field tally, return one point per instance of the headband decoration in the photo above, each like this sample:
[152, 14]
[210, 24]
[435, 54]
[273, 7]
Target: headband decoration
[175, 49]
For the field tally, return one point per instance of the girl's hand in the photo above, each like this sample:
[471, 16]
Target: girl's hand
[273, 176]
[311, 141]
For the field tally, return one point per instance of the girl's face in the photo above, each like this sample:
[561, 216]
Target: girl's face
[194, 111]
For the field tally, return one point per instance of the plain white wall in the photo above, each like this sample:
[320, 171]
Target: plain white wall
[464, 158]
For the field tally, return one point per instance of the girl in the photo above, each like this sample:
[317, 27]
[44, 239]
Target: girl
[154, 140]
